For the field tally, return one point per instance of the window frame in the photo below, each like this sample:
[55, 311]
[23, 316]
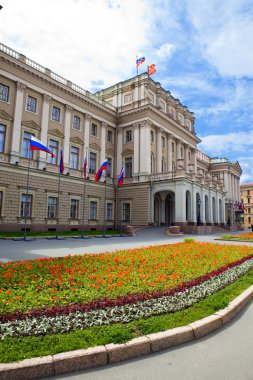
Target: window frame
[128, 173]
[110, 210]
[53, 115]
[109, 133]
[26, 148]
[124, 213]
[128, 136]
[93, 217]
[76, 209]
[55, 149]
[4, 95]
[2, 137]
[94, 128]
[31, 104]
[76, 118]
[55, 206]
[91, 160]
[74, 157]
[29, 199]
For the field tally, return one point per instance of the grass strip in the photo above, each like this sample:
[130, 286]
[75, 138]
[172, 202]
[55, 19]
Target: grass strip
[53, 233]
[15, 349]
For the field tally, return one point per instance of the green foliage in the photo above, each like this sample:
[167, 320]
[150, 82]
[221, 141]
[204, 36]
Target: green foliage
[189, 240]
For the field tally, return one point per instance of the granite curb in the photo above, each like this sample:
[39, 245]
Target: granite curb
[51, 365]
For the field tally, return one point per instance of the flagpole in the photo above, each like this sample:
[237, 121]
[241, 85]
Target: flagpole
[104, 203]
[27, 193]
[136, 66]
[84, 185]
[58, 207]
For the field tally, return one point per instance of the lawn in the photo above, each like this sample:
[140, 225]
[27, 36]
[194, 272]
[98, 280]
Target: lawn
[247, 237]
[105, 297]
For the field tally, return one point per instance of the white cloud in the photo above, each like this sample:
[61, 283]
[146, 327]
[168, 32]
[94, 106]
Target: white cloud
[165, 51]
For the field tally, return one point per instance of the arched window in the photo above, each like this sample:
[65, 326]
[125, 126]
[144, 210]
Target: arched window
[163, 165]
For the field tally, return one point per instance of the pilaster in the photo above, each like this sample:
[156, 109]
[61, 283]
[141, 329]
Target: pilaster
[16, 134]
[67, 127]
[44, 130]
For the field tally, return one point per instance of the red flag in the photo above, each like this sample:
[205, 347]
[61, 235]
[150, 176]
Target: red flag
[151, 69]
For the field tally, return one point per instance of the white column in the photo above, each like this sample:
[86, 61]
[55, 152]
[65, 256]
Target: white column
[159, 150]
[67, 127]
[103, 142]
[145, 147]
[162, 210]
[194, 161]
[136, 92]
[44, 130]
[169, 153]
[16, 134]
[86, 133]
[136, 148]
[119, 149]
[180, 209]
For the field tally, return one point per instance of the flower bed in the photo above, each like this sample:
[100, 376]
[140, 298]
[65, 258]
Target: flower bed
[75, 292]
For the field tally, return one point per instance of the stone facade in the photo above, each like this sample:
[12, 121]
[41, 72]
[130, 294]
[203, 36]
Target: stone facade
[246, 191]
[135, 124]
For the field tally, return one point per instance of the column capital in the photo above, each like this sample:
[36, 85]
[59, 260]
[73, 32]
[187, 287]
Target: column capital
[146, 123]
[46, 98]
[88, 116]
[136, 125]
[159, 130]
[104, 124]
[21, 86]
[68, 108]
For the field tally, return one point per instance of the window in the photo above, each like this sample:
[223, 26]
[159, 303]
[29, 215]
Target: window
[56, 112]
[52, 207]
[74, 207]
[93, 210]
[93, 163]
[26, 152]
[249, 219]
[74, 157]
[76, 122]
[248, 200]
[126, 212]
[54, 147]
[109, 167]
[249, 210]
[94, 129]
[26, 206]
[248, 192]
[1, 202]
[31, 104]
[189, 156]
[4, 92]
[2, 137]
[181, 152]
[163, 142]
[152, 136]
[129, 136]
[127, 98]
[172, 147]
[163, 165]
[109, 211]
[128, 164]
[109, 136]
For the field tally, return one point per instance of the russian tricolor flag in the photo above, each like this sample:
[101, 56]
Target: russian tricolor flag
[100, 170]
[121, 177]
[139, 61]
[36, 144]
[61, 163]
[85, 163]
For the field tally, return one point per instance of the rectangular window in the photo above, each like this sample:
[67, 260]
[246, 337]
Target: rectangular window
[93, 163]
[74, 157]
[249, 210]
[109, 211]
[128, 166]
[26, 152]
[74, 207]
[173, 147]
[93, 210]
[109, 136]
[76, 122]
[129, 137]
[126, 212]
[56, 113]
[163, 142]
[109, 167]
[52, 207]
[249, 219]
[1, 202]
[31, 104]
[94, 129]
[54, 147]
[26, 206]
[152, 136]
[248, 192]
[4, 92]
[248, 200]
[2, 137]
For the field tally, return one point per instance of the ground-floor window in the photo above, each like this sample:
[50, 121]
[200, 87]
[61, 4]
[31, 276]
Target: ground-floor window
[26, 206]
[52, 207]
[126, 212]
[93, 210]
[74, 207]
[109, 211]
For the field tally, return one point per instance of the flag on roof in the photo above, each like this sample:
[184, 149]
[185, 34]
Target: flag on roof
[61, 163]
[36, 144]
[100, 170]
[121, 177]
[85, 163]
[139, 61]
[151, 69]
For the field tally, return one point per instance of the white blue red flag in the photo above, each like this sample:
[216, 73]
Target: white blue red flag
[100, 170]
[85, 164]
[139, 61]
[61, 163]
[36, 144]
[121, 177]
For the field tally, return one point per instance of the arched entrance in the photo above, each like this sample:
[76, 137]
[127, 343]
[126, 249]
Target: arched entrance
[164, 208]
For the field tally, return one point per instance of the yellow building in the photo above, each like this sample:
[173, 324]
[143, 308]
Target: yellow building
[246, 191]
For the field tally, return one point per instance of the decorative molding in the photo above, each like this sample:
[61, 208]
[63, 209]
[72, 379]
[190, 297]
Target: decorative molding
[94, 146]
[56, 133]
[5, 116]
[76, 140]
[21, 86]
[127, 152]
[110, 152]
[88, 116]
[31, 125]
[68, 108]
[46, 98]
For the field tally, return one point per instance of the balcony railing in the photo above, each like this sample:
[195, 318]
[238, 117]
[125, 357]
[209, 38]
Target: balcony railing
[54, 76]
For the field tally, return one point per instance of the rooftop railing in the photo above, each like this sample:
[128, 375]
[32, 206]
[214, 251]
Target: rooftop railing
[54, 76]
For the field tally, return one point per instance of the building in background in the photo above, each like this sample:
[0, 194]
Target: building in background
[135, 124]
[246, 191]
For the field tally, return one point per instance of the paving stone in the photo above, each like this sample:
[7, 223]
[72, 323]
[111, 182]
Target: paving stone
[170, 338]
[206, 325]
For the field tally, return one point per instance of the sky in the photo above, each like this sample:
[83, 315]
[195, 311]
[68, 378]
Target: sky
[203, 51]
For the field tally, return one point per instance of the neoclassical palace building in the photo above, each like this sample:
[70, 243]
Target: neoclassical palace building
[135, 124]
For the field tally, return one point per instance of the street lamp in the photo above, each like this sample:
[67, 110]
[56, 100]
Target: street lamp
[198, 212]
[229, 209]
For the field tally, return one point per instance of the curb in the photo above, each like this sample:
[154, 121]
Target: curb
[52, 365]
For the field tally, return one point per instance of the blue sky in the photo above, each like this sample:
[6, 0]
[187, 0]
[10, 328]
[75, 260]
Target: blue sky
[202, 50]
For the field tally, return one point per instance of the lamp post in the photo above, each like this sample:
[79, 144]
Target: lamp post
[229, 209]
[198, 212]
